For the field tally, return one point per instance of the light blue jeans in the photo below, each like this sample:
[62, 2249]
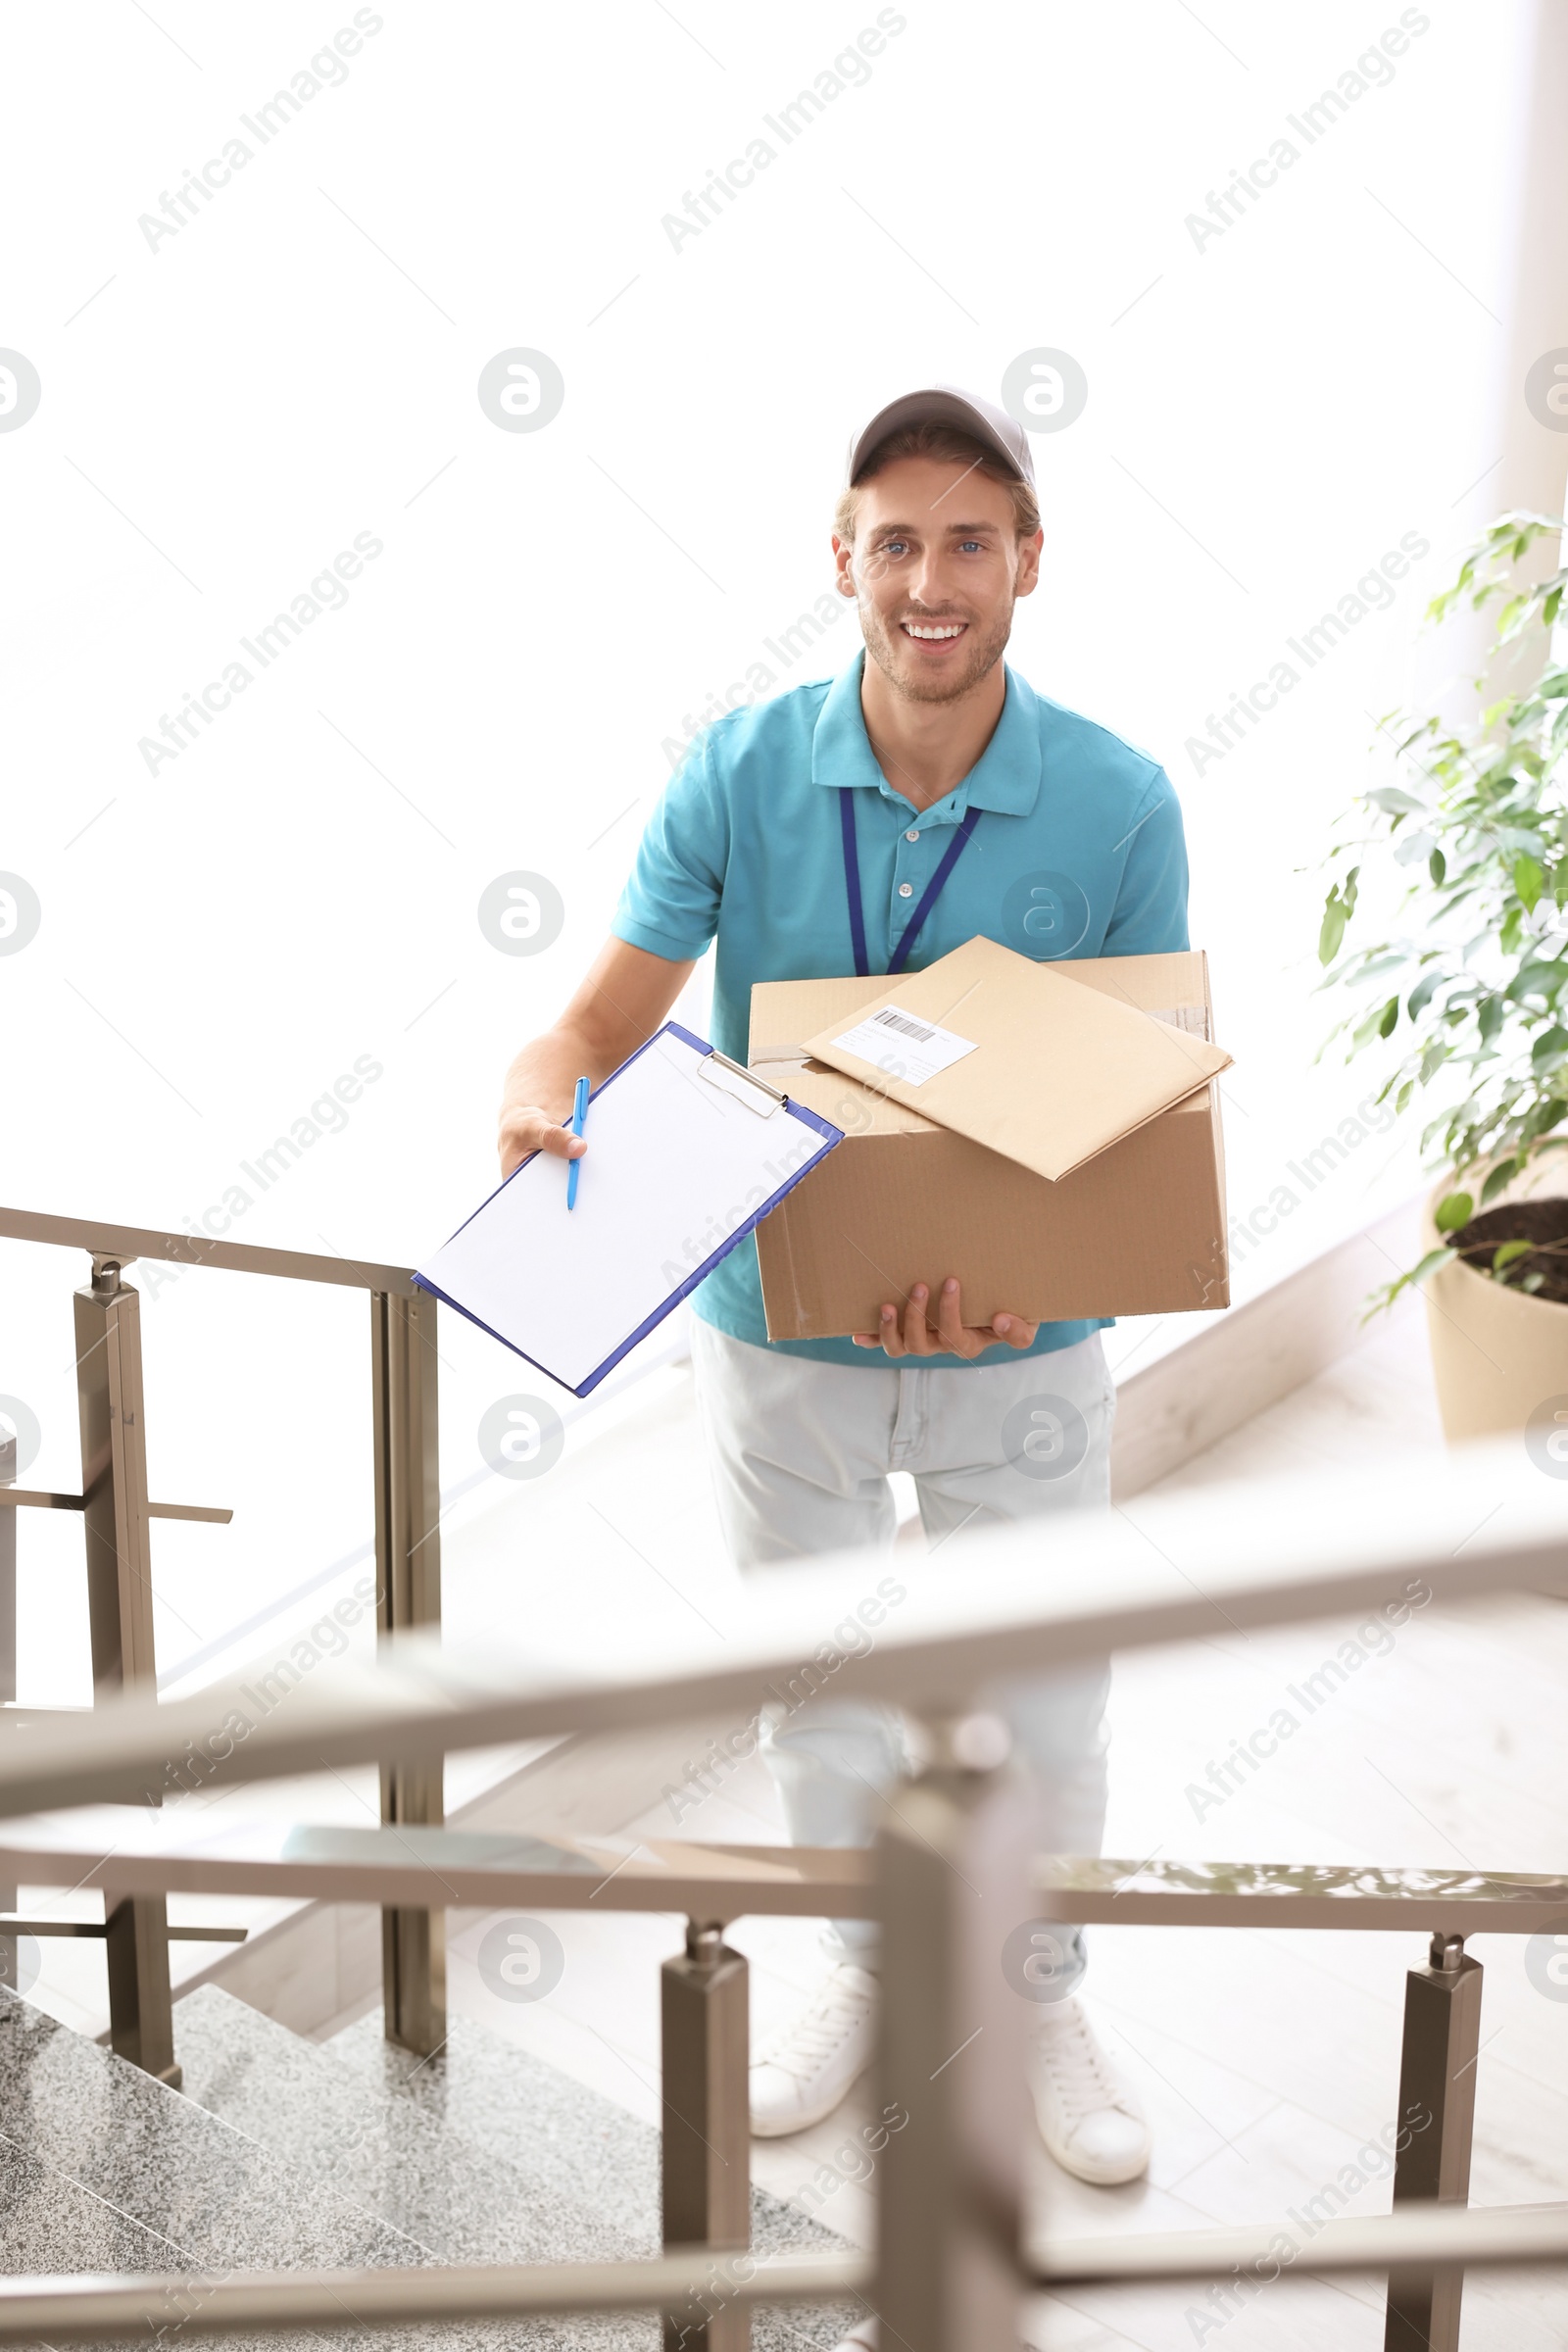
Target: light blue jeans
[800, 1455]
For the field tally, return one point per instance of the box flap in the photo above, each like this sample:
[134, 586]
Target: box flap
[1044, 1069]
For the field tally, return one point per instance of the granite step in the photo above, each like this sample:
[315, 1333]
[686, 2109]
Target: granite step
[480, 2154]
[407, 2162]
[104, 2169]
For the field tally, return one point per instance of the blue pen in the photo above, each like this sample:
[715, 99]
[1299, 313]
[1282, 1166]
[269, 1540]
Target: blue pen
[579, 1112]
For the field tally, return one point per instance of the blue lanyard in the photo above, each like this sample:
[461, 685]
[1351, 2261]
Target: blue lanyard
[933, 889]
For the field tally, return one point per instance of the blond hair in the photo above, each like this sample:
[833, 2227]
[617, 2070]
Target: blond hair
[950, 447]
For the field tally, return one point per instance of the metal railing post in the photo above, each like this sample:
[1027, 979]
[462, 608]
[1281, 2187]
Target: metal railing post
[8, 1572]
[951, 2056]
[7, 1656]
[1436, 2120]
[408, 1578]
[706, 2196]
[119, 1610]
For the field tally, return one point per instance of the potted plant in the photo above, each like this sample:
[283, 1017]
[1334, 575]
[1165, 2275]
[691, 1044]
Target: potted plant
[1471, 993]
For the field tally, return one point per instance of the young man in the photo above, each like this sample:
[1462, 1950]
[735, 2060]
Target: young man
[874, 822]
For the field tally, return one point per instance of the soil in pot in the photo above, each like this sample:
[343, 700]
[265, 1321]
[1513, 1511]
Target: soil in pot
[1542, 1223]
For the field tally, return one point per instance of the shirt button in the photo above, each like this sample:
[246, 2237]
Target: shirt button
[906, 890]
[911, 837]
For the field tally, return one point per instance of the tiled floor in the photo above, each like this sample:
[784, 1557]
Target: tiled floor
[1267, 2060]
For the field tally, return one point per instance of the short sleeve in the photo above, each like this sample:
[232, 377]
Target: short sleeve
[669, 905]
[1149, 916]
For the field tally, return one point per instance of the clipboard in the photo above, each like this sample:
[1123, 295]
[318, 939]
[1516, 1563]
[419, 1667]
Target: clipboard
[687, 1153]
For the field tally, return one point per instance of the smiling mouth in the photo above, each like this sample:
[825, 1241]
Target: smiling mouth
[933, 632]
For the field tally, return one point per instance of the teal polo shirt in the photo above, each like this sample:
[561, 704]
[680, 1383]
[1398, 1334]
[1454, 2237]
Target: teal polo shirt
[1077, 850]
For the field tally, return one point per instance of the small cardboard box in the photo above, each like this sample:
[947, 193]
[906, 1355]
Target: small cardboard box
[1134, 1224]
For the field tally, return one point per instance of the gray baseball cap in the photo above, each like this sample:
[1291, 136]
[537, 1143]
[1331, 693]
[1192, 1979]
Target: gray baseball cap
[945, 404]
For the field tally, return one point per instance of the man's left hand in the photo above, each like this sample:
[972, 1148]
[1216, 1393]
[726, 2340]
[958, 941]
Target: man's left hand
[951, 1336]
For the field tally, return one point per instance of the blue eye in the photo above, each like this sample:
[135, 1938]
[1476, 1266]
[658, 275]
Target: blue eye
[894, 547]
[967, 543]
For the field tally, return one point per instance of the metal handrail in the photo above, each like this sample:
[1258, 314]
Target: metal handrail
[42, 1499]
[948, 2178]
[1411, 2238]
[491, 1870]
[463, 1869]
[116, 1513]
[1288, 1559]
[487, 1869]
[107, 1238]
[203, 2304]
[1171, 1894]
[86, 2311]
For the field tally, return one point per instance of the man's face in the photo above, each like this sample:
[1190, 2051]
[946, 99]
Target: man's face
[935, 568]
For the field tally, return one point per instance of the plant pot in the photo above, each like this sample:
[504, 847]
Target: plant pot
[1497, 1354]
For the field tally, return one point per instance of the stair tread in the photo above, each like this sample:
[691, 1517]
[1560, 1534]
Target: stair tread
[53, 2223]
[435, 2147]
[104, 2170]
[407, 2162]
[285, 2154]
[208, 2195]
[610, 2157]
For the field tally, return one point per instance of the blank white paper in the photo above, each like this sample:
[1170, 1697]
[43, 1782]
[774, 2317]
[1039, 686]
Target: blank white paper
[674, 1173]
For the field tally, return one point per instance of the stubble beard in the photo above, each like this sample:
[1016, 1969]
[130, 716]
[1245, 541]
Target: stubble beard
[901, 669]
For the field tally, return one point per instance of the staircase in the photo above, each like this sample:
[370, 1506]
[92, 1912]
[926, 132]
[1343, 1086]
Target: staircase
[285, 2153]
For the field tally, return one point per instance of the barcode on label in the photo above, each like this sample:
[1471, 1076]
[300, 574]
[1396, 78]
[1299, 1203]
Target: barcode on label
[901, 1021]
[902, 1047]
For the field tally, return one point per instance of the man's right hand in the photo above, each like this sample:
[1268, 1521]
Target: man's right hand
[526, 1128]
[620, 1004]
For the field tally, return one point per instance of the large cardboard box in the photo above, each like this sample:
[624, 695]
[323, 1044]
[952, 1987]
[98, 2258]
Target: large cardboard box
[1135, 1225]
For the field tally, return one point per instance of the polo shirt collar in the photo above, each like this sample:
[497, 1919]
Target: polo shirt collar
[1006, 777]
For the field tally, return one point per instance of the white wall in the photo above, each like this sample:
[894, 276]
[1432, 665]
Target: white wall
[225, 408]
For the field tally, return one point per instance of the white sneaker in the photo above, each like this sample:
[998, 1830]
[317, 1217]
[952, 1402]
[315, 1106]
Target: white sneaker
[802, 2072]
[1089, 2119]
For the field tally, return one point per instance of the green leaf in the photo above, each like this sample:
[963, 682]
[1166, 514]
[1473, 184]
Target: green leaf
[1457, 1210]
[1382, 1299]
[1506, 1252]
[1546, 1116]
[1485, 822]
[1503, 1174]
[1335, 917]
[1536, 979]
[1395, 803]
[1529, 880]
